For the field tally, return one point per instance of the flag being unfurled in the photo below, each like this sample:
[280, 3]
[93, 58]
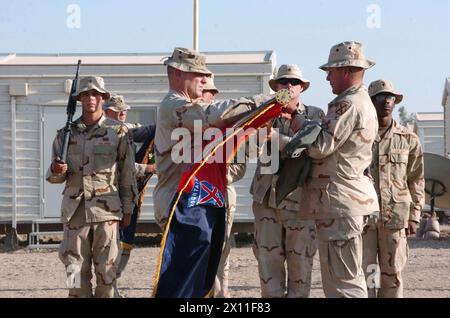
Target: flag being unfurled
[192, 242]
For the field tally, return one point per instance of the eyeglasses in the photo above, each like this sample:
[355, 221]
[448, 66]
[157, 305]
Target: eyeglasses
[385, 97]
[293, 81]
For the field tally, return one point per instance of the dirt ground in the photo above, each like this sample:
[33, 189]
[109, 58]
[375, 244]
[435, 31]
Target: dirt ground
[39, 273]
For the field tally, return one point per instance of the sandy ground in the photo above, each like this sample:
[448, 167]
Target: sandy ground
[39, 273]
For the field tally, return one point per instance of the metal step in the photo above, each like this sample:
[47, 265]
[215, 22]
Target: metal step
[47, 233]
[47, 221]
[38, 246]
[36, 234]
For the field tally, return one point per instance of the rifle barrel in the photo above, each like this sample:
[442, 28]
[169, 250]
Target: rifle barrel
[71, 108]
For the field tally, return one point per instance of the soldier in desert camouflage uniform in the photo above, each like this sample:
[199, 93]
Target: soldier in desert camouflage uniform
[100, 191]
[182, 108]
[280, 236]
[398, 174]
[338, 194]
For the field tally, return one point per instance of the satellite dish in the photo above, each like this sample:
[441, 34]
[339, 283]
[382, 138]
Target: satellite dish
[437, 181]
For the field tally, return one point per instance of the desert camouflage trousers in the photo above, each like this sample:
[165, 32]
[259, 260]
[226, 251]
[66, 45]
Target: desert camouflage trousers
[221, 282]
[283, 241]
[85, 244]
[341, 255]
[388, 249]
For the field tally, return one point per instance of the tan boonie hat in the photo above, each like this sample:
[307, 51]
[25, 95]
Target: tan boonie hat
[384, 86]
[349, 53]
[116, 103]
[289, 71]
[188, 60]
[209, 86]
[91, 82]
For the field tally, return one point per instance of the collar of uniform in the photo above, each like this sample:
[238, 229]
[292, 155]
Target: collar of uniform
[349, 91]
[179, 95]
[100, 121]
[395, 128]
[81, 126]
[301, 108]
[398, 129]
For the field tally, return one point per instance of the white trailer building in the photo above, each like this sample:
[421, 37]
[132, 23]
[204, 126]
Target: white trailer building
[429, 127]
[33, 96]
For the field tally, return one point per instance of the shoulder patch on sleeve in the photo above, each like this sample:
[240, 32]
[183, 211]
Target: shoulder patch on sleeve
[179, 114]
[342, 106]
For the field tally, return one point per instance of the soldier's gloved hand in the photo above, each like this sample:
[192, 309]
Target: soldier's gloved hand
[126, 220]
[412, 227]
[58, 167]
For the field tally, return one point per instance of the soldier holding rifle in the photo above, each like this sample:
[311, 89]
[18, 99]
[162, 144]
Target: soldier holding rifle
[100, 190]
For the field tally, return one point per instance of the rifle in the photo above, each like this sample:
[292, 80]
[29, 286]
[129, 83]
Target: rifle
[71, 108]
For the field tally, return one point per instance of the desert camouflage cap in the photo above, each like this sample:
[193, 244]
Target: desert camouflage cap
[289, 71]
[209, 86]
[349, 53]
[91, 82]
[384, 86]
[188, 60]
[116, 103]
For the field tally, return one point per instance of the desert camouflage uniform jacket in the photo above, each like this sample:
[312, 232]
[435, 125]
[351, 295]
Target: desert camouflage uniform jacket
[398, 172]
[100, 171]
[342, 152]
[263, 182]
[176, 111]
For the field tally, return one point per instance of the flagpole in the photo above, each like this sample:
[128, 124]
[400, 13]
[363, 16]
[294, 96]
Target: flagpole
[196, 25]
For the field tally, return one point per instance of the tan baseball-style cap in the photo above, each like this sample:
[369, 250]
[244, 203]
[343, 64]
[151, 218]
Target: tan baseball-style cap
[384, 86]
[116, 103]
[91, 82]
[289, 71]
[188, 60]
[209, 86]
[349, 53]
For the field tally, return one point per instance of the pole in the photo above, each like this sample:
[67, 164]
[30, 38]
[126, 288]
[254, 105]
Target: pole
[196, 25]
[11, 238]
[13, 165]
